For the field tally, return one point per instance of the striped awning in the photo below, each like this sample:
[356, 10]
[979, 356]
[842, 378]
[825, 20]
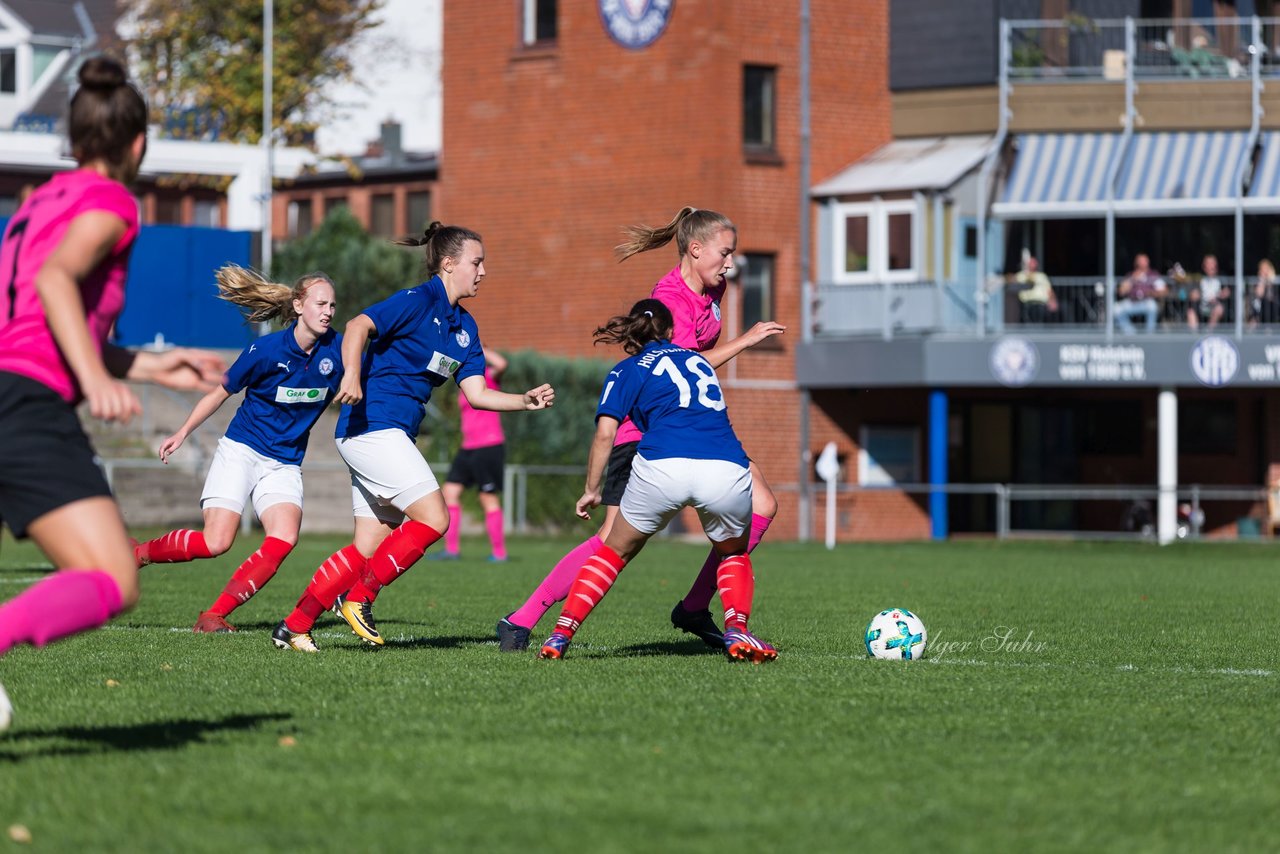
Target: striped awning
[1264, 189]
[1159, 174]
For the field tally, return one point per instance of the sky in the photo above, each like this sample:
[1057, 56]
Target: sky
[398, 65]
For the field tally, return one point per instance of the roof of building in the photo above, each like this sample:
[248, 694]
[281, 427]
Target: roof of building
[931, 163]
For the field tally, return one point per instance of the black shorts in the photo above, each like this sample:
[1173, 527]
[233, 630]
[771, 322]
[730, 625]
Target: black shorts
[46, 461]
[479, 467]
[618, 473]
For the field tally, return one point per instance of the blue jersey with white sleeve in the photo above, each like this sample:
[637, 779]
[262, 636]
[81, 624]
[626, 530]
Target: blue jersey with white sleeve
[419, 342]
[673, 395]
[285, 392]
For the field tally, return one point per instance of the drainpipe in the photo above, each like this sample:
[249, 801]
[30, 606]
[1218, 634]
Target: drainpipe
[1255, 73]
[1113, 172]
[985, 175]
[804, 461]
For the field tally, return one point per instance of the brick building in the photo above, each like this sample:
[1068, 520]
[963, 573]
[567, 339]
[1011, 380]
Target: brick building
[557, 134]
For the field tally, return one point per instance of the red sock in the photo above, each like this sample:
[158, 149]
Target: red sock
[174, 547]
[252, 575]
[737, 585]
[594, 580]
[399, 551]
[335, 576]
[704, 586]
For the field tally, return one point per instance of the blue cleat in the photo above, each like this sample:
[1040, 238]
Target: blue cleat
[555, 646]
[741, 645]
[512, 638]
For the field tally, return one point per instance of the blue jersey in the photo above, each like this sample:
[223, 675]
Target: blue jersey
[420, 342]
[672, 394]
[285, 391]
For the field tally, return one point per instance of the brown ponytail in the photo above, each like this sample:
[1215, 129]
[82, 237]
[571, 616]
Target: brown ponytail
[648, 321]
[441, 241]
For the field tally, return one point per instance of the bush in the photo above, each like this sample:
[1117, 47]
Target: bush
[560, 435]
[364, 269]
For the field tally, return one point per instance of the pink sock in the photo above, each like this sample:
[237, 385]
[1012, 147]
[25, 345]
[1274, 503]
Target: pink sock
[704, 586]
[65, 603]
[555, 587]
[493, 523]
[453, 536]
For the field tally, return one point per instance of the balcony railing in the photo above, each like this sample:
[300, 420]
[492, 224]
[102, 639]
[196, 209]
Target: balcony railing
[922, 308]
[1079, 48]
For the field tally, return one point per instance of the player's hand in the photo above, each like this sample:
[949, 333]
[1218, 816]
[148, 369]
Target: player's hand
[539, 398]
[762, 330]
[182, 369]
[349, 391]
[168, 446]
[588, 502]
[110, 399]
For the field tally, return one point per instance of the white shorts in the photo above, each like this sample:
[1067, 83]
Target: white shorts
[388, 474]
[238, 472]
[658, 489]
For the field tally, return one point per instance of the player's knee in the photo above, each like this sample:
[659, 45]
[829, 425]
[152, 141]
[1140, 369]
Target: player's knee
[128, 591]
[764, 504]
[218, 542]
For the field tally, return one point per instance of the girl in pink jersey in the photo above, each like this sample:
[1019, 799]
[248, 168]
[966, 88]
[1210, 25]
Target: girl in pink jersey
[692, 291]
[479, 463]
[63, 263]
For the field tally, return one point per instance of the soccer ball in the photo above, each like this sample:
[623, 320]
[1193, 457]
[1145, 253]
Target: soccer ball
[896, 635]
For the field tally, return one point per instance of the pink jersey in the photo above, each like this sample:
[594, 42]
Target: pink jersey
[481, 428]
[27, 346]
[697, 326]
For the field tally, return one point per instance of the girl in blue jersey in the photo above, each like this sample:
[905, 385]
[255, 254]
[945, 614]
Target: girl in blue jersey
[418, 339]
[689, 456]
[288, 378]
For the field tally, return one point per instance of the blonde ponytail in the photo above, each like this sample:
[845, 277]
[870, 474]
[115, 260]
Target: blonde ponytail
[263, 300]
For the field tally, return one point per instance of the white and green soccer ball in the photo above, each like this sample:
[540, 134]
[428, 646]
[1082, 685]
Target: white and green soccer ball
[896, 634]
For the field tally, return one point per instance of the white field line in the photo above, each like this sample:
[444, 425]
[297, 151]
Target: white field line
[933, 662]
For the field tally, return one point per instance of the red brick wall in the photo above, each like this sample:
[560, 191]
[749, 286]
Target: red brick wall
[549, 152]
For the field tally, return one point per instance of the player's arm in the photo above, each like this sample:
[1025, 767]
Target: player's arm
[358, 332]
[597, 459]
[180, 368]
[722, 353]
[85, 244]
[480, 396]
[204, 407]
[496, 361]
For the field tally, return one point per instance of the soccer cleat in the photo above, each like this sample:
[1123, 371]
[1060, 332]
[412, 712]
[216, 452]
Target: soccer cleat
[496, 559]
[443, 555]
[336, 607]
[741, 645]
[211, 623]
[359, 616]
[698, 623]
[139, 554]
[285, 639]
[512, 638]
[6, 710]
[555, 646]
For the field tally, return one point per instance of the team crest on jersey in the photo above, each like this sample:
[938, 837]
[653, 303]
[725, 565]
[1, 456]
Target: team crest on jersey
[464, 339]
[326, 366]
[715, 311]
[635, 23]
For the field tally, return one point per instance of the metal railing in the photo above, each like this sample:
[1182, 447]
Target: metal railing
[894, 309]
[1078, 48]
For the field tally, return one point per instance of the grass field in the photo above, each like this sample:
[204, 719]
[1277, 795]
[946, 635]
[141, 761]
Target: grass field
[1110, 697]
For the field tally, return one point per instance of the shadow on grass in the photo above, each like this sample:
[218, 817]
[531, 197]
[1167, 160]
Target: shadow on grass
[443, 642]
[685, 647]
[157, 735]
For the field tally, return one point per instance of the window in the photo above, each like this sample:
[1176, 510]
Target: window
[888, 455]
[168, 210]
[876, 242]
[418, 215]
[8, 71]
[300, 218]
[383, 215]
[538, 22]
[758, 119]
[1207, 427]
[206, 213]
[335, 203]
[756, 278]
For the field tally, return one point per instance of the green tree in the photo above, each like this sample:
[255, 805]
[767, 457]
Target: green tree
[364, 269]
[200, 62]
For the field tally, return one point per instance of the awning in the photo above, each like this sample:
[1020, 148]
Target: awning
[1160, 174]
[907, 165]
[1264, 189]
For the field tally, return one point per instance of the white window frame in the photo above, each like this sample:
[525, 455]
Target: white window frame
[529, 23]
[877, 213]
[870, 472]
